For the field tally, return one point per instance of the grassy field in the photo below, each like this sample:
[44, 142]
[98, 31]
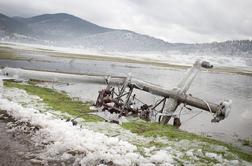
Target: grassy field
[9, 53]
[60, 101]
[150, 129]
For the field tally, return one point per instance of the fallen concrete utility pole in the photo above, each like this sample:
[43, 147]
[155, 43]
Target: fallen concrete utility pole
[172, 98]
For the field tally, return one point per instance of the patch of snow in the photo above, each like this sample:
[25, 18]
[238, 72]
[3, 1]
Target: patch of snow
[234, 162]
[161, 157]
[189, 153]
[93, 148]
[214, 156]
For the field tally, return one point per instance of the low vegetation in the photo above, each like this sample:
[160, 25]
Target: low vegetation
[57, 101]
[246, 142]
[9, 53]
[154, 129]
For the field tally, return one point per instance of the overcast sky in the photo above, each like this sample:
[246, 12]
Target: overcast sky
[171, 20]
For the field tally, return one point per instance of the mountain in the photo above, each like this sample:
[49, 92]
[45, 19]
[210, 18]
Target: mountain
[8, 26]
[61, 26]
[66, 30]
[123, 41]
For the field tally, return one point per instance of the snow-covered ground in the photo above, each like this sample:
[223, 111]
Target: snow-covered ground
[164, 57]
[64, 139]
[98, 143]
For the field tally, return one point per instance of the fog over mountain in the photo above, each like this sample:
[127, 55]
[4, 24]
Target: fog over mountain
[69, 31]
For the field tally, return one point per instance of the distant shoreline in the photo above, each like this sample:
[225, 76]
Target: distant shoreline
[8, 50]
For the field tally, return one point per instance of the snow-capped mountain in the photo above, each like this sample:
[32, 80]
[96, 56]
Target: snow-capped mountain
[69, 31]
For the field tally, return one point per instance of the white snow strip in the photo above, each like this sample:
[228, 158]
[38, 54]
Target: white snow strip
[94, 147]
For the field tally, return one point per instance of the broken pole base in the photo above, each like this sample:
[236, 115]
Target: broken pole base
[176, 122]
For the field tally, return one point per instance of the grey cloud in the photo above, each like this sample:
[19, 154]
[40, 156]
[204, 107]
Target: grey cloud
[171, 20]
[220, 19]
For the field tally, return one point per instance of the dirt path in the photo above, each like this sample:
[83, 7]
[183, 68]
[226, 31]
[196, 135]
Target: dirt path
[11, 150]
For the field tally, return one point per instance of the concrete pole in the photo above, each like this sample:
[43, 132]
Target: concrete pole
[177, 96]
